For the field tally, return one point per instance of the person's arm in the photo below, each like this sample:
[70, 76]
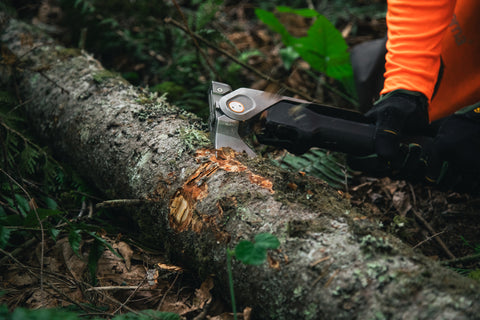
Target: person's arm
[415, 32]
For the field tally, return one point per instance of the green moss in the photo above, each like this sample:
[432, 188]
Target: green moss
[103, 75]
[65, 53]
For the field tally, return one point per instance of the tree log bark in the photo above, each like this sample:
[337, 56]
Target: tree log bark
[333, 263]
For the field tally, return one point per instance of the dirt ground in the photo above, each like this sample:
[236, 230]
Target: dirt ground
[442, 225]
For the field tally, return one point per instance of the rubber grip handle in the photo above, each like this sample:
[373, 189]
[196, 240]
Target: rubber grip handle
[298, 127]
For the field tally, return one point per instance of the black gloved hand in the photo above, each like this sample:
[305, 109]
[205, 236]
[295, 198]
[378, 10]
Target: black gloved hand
[409, 163]
[454, 157]
[396, 113]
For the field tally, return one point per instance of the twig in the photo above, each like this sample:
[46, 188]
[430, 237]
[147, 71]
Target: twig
[329, 281]
[194, 39]
[114, 288]
[40, 223]
[166, 292]
[241, 63]
[119, 203]
[427, 239]
[78, 282]
[131, 295]
[464, 259]
[429, 227]
[313, 264]
[58, 291]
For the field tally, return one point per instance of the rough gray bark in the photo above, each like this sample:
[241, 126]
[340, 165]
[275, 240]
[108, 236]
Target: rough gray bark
[332, 263]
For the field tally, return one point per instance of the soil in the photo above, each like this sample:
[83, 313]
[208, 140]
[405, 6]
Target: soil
[441, 224]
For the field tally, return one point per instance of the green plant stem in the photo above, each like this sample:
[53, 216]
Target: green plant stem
[230, 254]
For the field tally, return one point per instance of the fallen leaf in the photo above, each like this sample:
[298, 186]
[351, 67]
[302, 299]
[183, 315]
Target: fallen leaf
[126, 252]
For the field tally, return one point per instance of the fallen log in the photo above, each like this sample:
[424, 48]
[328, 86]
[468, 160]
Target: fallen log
[333, 262]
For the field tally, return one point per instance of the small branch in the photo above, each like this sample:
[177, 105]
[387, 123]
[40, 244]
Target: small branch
[464, 259]
[432, 231]
[166, 292]
[118, 203]
[194, 39]
[115, 288]
[40, 223]
[427, 239]
[241, 63]
[131, 295]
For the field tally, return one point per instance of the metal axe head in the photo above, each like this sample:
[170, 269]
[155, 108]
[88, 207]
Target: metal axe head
[232, 114]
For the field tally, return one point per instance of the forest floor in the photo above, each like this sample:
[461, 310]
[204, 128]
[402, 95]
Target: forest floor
[443, 225]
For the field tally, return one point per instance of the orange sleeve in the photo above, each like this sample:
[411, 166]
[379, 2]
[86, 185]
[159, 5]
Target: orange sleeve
[415, 32]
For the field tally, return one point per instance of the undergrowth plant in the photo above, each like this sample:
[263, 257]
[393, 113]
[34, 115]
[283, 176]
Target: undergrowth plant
[58, 314]
[249, 253]
[39, 198]
[328, 166]
[155, 54]
[324, 47]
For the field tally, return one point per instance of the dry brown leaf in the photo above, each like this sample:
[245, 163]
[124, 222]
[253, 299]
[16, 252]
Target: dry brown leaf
[202, 295]
[125, 251]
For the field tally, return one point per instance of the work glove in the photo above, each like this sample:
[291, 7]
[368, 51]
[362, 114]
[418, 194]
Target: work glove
[409, 164]
[397, 113]
[453, 161]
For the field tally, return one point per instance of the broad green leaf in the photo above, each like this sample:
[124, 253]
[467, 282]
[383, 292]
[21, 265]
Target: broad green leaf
[74, 238]
[248, 253]
[266, 241]
[270, 20]
[307, 13]
[51, 204]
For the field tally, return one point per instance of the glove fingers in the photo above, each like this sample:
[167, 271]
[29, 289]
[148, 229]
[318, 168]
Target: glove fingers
[387, 143]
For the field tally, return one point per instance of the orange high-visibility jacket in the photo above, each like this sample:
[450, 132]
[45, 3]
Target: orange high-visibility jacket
[422, 35]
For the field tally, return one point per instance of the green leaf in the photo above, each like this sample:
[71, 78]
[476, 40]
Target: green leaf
[23, 205]
[266, 241]
[288, 55]
[256, 253]
[307, 13]
[31, 220]
[54, 233]
[270, 20]
[148, 315]
[105, 243]
[324, 47]
[96, 252]
[42, 314]
[74, 238]
[248, 253]
[4, 236]
[50, 203]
